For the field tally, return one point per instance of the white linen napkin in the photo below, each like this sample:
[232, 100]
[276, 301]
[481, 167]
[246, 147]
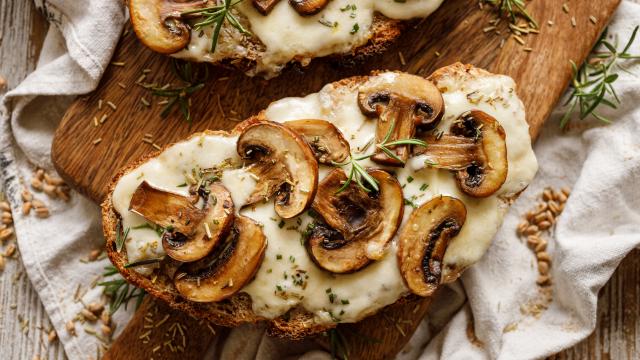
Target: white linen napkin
[600, 224]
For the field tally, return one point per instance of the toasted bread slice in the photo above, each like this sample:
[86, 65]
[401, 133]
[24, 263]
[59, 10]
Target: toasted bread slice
[161, 27]
[297, 323]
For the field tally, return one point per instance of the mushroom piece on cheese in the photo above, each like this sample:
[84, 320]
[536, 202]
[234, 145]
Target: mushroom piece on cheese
[325, 139]
[424, 240]
[190, 231]
[159, 24]
[476, 151]
[228, 268]
[356, 225]
[402, 105]
[282, 164]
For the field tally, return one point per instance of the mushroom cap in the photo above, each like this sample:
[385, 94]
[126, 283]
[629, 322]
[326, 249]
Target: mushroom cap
[166, 209]
[228, 269]
[423, 92]
[308, 7]
[325, 139]
[401, 103]
[357, 225]
[489, 172]
[283, 164]
[158, 23]
[424, 240]
[185, 236]
[219, 215]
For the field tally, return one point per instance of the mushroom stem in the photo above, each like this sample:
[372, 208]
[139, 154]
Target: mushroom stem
[449, 152]
[264, 7]
[395, 123]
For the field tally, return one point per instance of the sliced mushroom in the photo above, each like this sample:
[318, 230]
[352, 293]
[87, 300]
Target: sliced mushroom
[190, 232]
[308, 7]
[264, 7]
[401, 105]
[326, 141]
[424, 240]
[159, 24]
[225, 271]
[476, 150]
[283, 165]
[357, 226]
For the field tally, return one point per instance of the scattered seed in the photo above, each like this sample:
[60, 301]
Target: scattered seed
[10, 250]
[544, 225]
[95, 308]
[533, 240]
[542, 280]
[2, 262]
[97, 141]
[52, 336]
[26, 195]
[531, 230]
[26, 208]
[541, 246]
[88, 315]
[71, 328]
[593, 19]
[543, 267]
[543, 256]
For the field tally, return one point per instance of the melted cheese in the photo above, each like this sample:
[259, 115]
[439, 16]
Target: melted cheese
[339, 28]
[351, 297]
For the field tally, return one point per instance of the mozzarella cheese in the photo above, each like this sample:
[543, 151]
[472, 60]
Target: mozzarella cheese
[287, 277]
[286, 35]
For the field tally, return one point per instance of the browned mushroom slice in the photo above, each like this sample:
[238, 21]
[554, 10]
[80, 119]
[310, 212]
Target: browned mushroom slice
[448, 152]
[424, 240]
[190, 232]
[264, 7]
[283, 165]
[401, 105]
[357, 225]
[487, 174]
[324, 138]
[159, 25]
[229, 268]
[308, 7]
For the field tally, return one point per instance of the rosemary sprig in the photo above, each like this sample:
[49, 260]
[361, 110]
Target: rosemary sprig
[592, 84]
[512, 9]
[120, 236]
[143, 262]
[338, 344]
[359, 174]
[119, 290]
[193, 78]
[217, 15]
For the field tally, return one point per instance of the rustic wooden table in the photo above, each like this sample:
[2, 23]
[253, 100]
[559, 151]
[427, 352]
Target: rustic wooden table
[24, 324]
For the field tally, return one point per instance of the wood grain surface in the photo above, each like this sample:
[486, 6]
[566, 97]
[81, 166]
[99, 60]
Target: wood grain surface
[542, 75]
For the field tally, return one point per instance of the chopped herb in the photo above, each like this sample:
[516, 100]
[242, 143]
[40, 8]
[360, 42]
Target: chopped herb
[354, 29]
[281, 224]
[344, 301]
[409, 179]
[410, 203]
[182, 185]
[292, 258]
[279, 288]
[279, 257]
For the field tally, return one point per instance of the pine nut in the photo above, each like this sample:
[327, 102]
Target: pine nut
[95, 308]
[42, 212]
[5, 234]
[88, 315]
[53, 180]
[50, 190]
[71, 328]
[542, 280]
[10, 250]
[541, 246]
[566, 191]
[531, 230]
[533, 240]
[36, 184]
[40, 174]
[543, 267]
[522, 227]
[105, 317]
[4, 206]
[544, 225]
[26, 208]
[543, 256]
[547, 195]
[26, 195]
[52, 336]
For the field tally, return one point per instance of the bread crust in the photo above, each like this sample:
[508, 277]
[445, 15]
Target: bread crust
[297, 323]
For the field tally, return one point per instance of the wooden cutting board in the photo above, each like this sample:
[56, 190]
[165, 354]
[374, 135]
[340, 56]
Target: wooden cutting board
[87, 156]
